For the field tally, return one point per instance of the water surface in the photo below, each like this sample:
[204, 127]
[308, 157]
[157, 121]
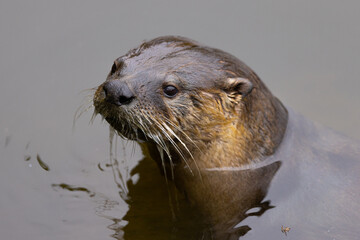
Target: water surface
[56, 183]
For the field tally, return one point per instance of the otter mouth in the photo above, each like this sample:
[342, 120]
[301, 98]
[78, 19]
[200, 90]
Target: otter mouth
[127, 131]
[121, 125]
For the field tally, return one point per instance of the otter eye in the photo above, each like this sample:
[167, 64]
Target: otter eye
[170, 91]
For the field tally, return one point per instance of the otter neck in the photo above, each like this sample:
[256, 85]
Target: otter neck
[264, 123]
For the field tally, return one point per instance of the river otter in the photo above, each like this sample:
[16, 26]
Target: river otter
[216, 130]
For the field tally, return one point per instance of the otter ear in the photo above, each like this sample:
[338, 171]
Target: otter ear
[237, 87]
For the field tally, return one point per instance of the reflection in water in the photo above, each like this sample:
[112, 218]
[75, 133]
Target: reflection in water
[117, 228]
[160, 211]
[227, 197]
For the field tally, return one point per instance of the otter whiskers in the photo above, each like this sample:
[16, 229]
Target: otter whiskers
[85, 105]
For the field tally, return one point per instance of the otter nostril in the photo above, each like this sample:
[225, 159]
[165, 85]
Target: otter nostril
[117, 92]
[125, 100]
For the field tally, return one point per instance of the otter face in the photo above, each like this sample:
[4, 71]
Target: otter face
[171, 91]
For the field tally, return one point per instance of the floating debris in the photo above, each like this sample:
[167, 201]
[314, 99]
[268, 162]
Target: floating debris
[285, 230]
[27, 157]
[101, 169]
[42, 164]
[73, 188]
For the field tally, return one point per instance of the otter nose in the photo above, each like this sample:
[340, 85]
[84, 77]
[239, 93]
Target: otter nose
[118, 93]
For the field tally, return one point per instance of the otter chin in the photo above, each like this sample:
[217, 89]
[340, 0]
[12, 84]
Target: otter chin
[209, 122]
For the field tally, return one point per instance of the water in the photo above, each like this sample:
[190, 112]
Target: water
[57, 183]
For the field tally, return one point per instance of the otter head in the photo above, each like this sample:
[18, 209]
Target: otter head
[191, 101]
